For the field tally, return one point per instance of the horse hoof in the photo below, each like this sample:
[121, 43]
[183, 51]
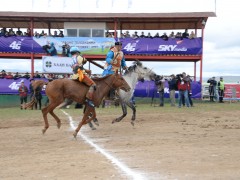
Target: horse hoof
[93, 128]
[132, 123]
[75, 134]
[43, 131]
[59, 125]
[96, 122]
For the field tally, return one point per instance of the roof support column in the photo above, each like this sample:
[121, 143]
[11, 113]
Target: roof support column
[49, 28]
[32, 65]
[31, 26]
[195, 65]
[115, 28]
[201, 61]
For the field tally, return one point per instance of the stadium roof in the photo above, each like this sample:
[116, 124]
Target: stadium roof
[125, 21]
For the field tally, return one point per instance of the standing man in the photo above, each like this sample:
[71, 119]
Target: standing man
[114, 60]
[23, 90]
[182, 83]
[172, 88]
[212, 88]
[221, 88]
[81, 74]
[159, 81]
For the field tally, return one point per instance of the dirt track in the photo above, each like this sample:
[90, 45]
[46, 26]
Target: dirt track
[166, 143]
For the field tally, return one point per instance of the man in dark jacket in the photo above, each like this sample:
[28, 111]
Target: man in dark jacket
[172, 83]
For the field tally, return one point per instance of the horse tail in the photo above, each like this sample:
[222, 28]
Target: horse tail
[36, 84]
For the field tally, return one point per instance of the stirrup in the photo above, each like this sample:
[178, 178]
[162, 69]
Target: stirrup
[90, 103]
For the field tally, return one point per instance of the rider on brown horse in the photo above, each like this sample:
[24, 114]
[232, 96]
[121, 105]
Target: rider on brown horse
[81, 74]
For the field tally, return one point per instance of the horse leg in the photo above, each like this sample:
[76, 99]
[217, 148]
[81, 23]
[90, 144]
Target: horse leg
[124, 110]
[91, 125]
[83, 121]
[45, 111]
[131, 105]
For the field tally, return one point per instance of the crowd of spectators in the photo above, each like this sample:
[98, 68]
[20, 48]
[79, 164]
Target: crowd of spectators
[164, 36]
[10, 32]
[4, 32]
[27, 75]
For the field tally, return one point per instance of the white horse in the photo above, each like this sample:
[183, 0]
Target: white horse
[134, 73]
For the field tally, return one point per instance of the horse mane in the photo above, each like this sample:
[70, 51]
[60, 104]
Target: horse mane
[100, 78]
[133, 67]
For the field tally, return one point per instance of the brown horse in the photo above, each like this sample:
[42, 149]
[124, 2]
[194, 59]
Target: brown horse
[60, 89]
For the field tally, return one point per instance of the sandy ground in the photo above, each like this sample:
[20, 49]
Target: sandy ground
[166, 143]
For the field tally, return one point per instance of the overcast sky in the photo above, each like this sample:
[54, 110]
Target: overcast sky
[221, 43]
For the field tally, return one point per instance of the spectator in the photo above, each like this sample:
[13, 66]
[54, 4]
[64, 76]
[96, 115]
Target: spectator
[127, 35]
[2, 33]
[212, 88]
[55, 34]
[17, 76]
[221, 88]
[190, 91]
[19, 32]
[26, 75]
[192, 35]
[42, 33]
[23, 90]
[37, 75]
[172, 83]
[36, 34]
[164, 37]
[11, 32]
[142, 35]
[149, 35]
[28, 33]
[182, 82]
[3, 74]
[9, 75]
[38, 97]
[157, 35]
[185, 34]
[136, 34]
[179, 35]
[159, 81]
[60, 34]
[172, 35]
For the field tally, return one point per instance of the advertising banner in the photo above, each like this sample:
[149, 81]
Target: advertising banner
[11, 86]
[149, 89]
[101, 46]
[53, 64]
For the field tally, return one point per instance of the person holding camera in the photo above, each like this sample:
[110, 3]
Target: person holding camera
[172, 84]
[183, 86]
[212, 88]
[159, 82]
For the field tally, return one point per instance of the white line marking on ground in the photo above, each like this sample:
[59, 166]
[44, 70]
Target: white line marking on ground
[120, 165]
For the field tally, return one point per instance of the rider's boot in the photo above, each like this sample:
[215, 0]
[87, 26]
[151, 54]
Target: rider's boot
[89, 96]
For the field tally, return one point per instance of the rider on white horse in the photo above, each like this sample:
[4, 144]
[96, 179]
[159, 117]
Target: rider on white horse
[114, 60]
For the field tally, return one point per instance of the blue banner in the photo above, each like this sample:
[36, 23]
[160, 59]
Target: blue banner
[102, 45]
[143, 89]
[11, 86]
[173, 46]
[149, 89]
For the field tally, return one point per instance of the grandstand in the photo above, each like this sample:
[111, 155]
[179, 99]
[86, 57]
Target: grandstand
[115, 22]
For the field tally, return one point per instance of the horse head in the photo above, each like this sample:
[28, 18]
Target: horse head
[119, 82]
[144, 73]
